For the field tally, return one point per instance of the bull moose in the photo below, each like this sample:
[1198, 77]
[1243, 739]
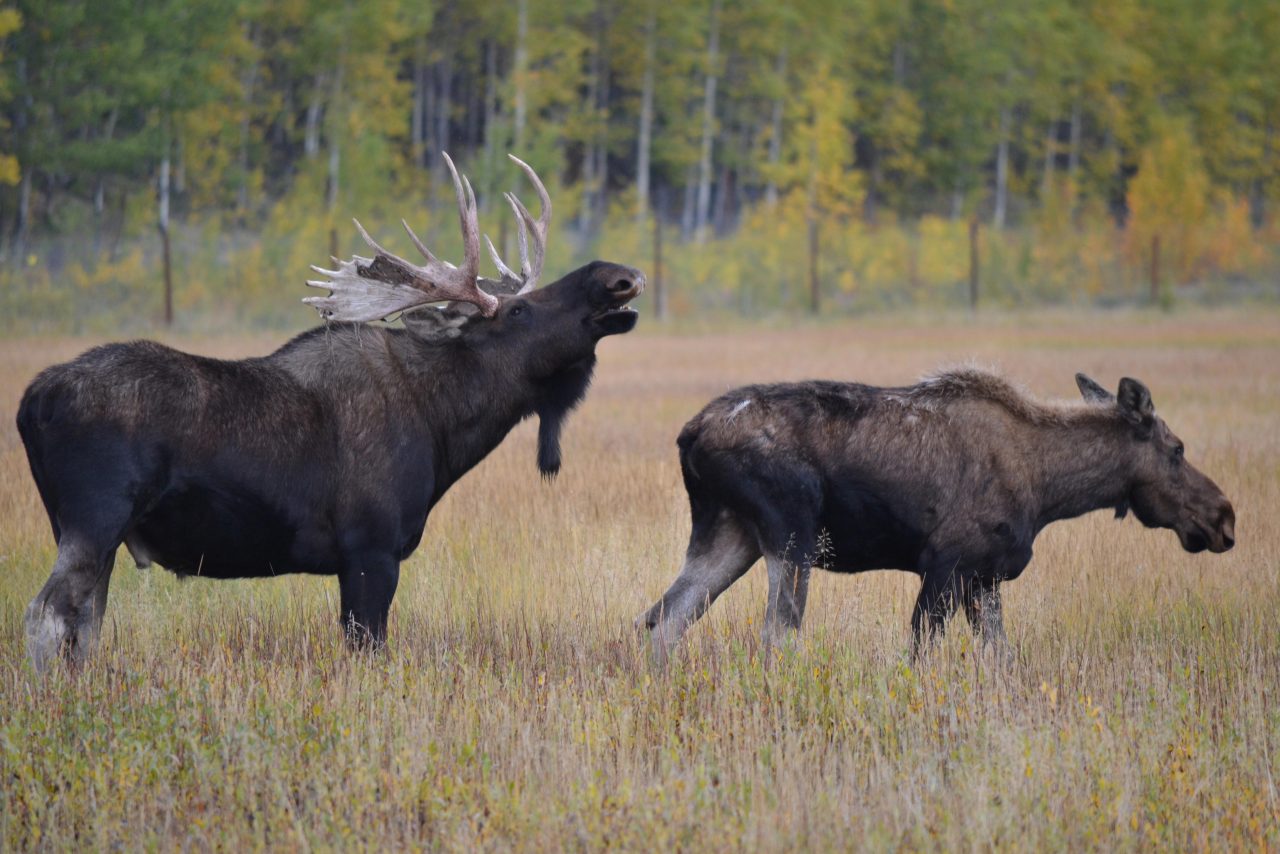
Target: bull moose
[952, 479]
[325, 456]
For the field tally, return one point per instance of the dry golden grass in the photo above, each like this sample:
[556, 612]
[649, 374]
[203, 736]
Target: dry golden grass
[514, 708]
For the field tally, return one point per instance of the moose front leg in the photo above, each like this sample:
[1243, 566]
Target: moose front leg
[935, 605]
[368, 585]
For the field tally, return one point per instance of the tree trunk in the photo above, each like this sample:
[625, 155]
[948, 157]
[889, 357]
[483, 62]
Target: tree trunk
[1002, 172]
[591, 158]
[417, 118]
[645, 136]
[114, 252]
[162, 221]
[521, 72]
[491, 127]
[315, 110]
[1050, 144]
[1073, 155]
[690, 200]
[659, 286]
[1155, 269]
[335, 156]
[973, 263]
[100, 188]
[815, 292]
[475, 109]
[775, 135]
[602, 151]
[24, 218]
[444, 106]
[724, 189]
[708, 124]
[247, 85]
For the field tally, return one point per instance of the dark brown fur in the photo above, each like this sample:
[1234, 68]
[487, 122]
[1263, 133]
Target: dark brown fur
[951, 478]
[323, 457]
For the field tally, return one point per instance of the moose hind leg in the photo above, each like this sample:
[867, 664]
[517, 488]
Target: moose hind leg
[367, 588]
[65, 617]
[719, 552]
[789, 572]
[982, 607]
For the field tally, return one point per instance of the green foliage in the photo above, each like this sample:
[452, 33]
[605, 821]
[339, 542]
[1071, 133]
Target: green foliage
[281, 119]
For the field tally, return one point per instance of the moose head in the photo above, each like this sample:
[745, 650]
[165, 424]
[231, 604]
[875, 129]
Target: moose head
[1165, 490]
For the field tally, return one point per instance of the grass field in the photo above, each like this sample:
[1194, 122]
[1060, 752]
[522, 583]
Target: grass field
[514, 708]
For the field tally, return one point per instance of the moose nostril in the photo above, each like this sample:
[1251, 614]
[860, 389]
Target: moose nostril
[621, 285]
[1228, 541]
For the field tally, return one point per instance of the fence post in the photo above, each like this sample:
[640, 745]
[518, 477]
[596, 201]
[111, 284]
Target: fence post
[1155, 269]
[973, 263]
[815, 293]
[659, 289]
[168, 275]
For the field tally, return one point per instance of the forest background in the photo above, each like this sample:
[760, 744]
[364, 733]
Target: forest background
[838, 156]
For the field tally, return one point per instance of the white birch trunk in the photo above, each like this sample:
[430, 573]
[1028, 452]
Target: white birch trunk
[1073, 155]
[775, 136]
[520, 72]
[708, 125]
[1050, 150]
[645, 135]
[1002, 172]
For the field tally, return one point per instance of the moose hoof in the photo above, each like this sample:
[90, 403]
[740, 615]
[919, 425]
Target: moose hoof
[48, 636]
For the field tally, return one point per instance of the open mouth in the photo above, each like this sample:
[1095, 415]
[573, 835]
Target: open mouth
[615, 321]
[620, 310]
[614, 312]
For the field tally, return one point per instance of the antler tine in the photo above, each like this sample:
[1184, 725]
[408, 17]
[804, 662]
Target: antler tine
[507, 272]
[364, 289]
[373, 244]
[532, 268]
[544, 199]
[378, 250]
[422, 247]
[522, 233]
[468, 217]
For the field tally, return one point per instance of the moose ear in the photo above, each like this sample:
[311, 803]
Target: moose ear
[439, 323]
[1135, 404]
[1092, 392]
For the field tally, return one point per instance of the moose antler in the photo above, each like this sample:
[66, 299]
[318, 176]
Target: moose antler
[363, 289]
[530, 270]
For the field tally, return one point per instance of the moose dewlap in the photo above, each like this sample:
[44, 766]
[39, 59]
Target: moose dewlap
[951, 478]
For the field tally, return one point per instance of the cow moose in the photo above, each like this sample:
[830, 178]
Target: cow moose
[326, 456]
[952, 479]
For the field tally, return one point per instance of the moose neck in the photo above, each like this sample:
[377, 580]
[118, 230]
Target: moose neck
[1078, 466]
[482, 400]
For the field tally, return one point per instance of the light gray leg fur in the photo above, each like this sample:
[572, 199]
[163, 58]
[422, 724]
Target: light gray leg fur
[788, 592]
[710, 566]
[65, 618]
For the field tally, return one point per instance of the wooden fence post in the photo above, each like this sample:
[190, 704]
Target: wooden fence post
[1155, 269]
[815, 292]
[659, 289]
[973, 264]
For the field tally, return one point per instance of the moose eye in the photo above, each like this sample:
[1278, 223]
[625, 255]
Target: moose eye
[516, 310]
[1178, 452]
